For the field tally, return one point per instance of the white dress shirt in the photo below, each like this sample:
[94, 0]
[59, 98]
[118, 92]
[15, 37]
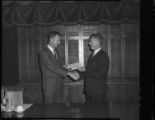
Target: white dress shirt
[96, 51]
[51, 49]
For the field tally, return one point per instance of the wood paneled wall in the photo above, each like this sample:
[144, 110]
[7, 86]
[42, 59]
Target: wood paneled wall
[9, 58]
[122, 45]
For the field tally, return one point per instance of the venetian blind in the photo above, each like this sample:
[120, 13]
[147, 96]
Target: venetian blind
[73, 44]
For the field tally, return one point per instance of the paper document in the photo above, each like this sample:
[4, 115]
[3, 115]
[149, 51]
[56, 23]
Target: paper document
[74, 66]
[26, 106]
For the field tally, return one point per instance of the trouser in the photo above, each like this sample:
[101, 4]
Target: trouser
[54, 97]
[96, 106]
[53, 92]
[95, 98]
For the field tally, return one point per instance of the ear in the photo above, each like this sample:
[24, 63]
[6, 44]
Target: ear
[54, 39]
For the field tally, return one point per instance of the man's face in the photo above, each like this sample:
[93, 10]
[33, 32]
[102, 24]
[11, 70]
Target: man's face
[55, 41]
[93, 43]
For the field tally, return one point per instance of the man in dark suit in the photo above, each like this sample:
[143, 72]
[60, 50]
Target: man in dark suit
[52, 71]
[96, 71]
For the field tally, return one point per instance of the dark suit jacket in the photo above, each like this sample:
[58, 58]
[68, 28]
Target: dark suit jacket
[52, 76]
[95, 76]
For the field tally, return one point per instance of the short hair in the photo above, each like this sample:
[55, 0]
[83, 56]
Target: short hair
[98, 36]
[51, 35]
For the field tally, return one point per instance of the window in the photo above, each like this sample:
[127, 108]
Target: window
[74, 44]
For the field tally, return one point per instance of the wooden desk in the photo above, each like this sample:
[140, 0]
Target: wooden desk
[122, 110]
[76, 110]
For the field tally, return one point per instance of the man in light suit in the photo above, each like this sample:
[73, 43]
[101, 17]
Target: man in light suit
[96, 71]
[52, 71]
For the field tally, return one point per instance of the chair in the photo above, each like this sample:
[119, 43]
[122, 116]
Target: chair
[15, 95]
[2, 93]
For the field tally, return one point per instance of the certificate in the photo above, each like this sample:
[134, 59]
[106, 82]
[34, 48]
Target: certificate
[75, 66]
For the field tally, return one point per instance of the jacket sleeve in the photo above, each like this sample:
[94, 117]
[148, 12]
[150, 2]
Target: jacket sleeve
[99, 68]
[82, 74]
[51, 66]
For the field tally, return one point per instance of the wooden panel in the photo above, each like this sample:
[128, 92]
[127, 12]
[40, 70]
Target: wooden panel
[9, 58]
[131, 51]
[30, 51]
[30, 44]
[124, 110]
[31, 93]
[116, 58]
[115, 92]
[116, 30]
[73, 92]
[35, 51]
[123, 92]
[23, 65]
[116, 55]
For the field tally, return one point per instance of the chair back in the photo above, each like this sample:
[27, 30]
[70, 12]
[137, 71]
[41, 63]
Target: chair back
[15, 95]
[2, 93]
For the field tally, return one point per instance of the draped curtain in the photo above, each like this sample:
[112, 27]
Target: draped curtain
[71, 12]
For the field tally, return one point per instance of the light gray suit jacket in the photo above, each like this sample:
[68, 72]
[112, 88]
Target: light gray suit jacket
[52, 76]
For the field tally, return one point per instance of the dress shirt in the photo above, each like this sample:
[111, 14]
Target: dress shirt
[96, 51]
[51, 49]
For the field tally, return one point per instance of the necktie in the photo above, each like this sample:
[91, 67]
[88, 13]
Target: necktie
[55, 54]
[92, 54]
[89, 59]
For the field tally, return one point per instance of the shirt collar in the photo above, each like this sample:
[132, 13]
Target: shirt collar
[96, 51]
[51, 49]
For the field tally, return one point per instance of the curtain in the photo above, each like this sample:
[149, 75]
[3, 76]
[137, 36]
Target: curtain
[69, 12]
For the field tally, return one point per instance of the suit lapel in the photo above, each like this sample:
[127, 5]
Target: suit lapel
[51, 54]
[97, 53]
[91, 58]
[48, 50]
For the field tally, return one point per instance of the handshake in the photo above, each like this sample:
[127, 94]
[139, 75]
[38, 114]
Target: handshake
[72, 70]
[74, 75]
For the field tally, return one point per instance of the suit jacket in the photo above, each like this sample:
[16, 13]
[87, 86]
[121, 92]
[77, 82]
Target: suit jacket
[52, 76]
[96, 73]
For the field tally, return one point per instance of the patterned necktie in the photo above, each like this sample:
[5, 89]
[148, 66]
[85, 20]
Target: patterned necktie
[55, 54]
[92, 54]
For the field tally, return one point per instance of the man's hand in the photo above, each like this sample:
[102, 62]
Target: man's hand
[74, 75]
[65, 66]
[81, 69]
